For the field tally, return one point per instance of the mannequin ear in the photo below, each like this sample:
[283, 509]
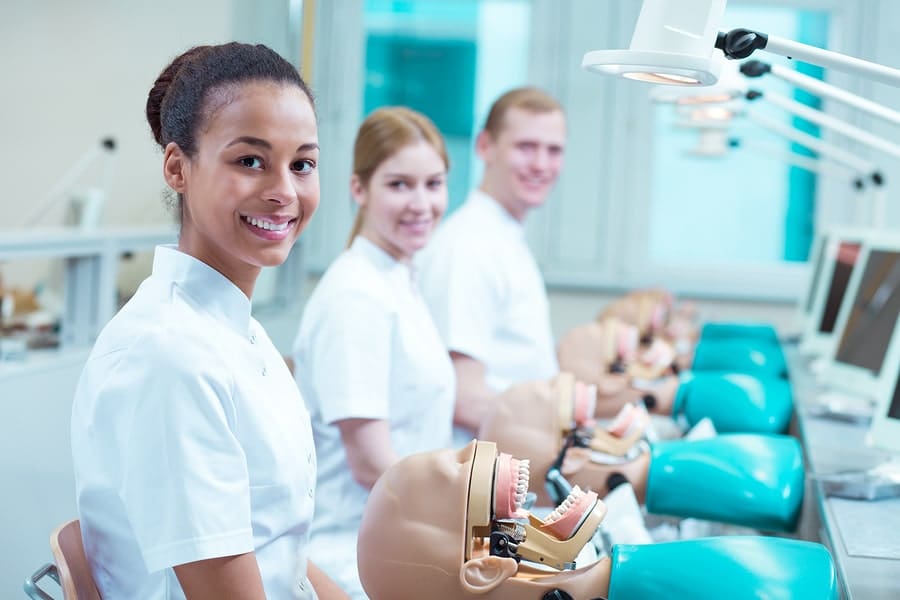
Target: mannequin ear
[175, 163]
[483, 574]
[357, 191]
[575, 460]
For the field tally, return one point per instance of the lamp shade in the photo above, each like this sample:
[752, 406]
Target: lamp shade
[730, 85]
[711, 143]
[672, 44]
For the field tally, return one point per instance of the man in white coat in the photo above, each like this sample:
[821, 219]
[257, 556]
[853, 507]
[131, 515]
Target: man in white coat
[478, 276]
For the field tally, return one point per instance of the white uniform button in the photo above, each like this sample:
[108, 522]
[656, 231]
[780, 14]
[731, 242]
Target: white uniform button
[253, 338]
[264, 371]
[310, 492]
[309, 458]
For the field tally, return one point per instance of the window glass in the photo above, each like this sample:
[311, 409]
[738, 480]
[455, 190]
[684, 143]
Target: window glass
[448, 60]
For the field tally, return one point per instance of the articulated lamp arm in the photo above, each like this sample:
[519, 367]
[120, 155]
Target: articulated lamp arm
[741, 43]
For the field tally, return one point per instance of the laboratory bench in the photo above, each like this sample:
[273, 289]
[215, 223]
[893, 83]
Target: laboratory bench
[863, 536]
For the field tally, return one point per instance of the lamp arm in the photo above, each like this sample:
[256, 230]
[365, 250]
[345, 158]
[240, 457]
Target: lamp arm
[832, 92]
[833, 60]
[107, 146]
[64, 183]
[741, 43]
[813, 143]
[824, 166]
[829, 122]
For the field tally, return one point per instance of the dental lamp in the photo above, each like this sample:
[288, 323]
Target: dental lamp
[85, 206]
[879, 206]
[718, 106]
[698, 119]
[716, 117]
[673, 43]
[801, 161]
[817, 145]
[823, 148]
[716, 143]
[827, 121]
[730, 86]
[757, 68]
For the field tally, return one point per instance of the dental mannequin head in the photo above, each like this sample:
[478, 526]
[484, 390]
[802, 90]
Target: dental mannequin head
[448, 524]
[531, 420]
[608, 355]
[646, 309]
[399, 182]
[419, 536]
[655, 314]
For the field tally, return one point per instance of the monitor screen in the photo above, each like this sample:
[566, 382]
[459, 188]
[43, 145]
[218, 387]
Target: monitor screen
[873, 313]
[847, 254]
[819, 256]
[894, 408]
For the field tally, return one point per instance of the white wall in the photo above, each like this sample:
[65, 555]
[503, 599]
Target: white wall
[75, 72]
[82, 71]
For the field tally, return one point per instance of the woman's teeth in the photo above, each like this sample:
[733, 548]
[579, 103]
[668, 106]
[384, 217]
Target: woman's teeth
[267, 225]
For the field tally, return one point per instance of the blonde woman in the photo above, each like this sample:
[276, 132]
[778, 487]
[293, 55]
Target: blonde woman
[370, 363]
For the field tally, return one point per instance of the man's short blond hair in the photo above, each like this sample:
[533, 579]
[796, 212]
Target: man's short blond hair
[530, 99]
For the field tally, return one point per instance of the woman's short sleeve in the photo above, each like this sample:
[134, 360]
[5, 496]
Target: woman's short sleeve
[184, 476]
[349, 351]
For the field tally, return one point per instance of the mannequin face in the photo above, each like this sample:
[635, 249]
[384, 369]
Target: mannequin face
[530, 420]
[588, 351]
[414, 540]
[656, 315]
[648, 310]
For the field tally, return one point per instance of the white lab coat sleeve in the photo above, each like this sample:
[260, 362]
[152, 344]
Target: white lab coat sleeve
[184, 479]
[351, 350]
[464, 290]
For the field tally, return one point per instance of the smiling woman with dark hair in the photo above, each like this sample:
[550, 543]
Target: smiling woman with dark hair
[194, 461]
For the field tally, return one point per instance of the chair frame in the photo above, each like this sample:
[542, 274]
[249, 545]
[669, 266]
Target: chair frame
[70, 568]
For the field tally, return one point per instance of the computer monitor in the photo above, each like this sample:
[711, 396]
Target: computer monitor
[866, 319]
[885, 430]
[839, 256]
[816, 261]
